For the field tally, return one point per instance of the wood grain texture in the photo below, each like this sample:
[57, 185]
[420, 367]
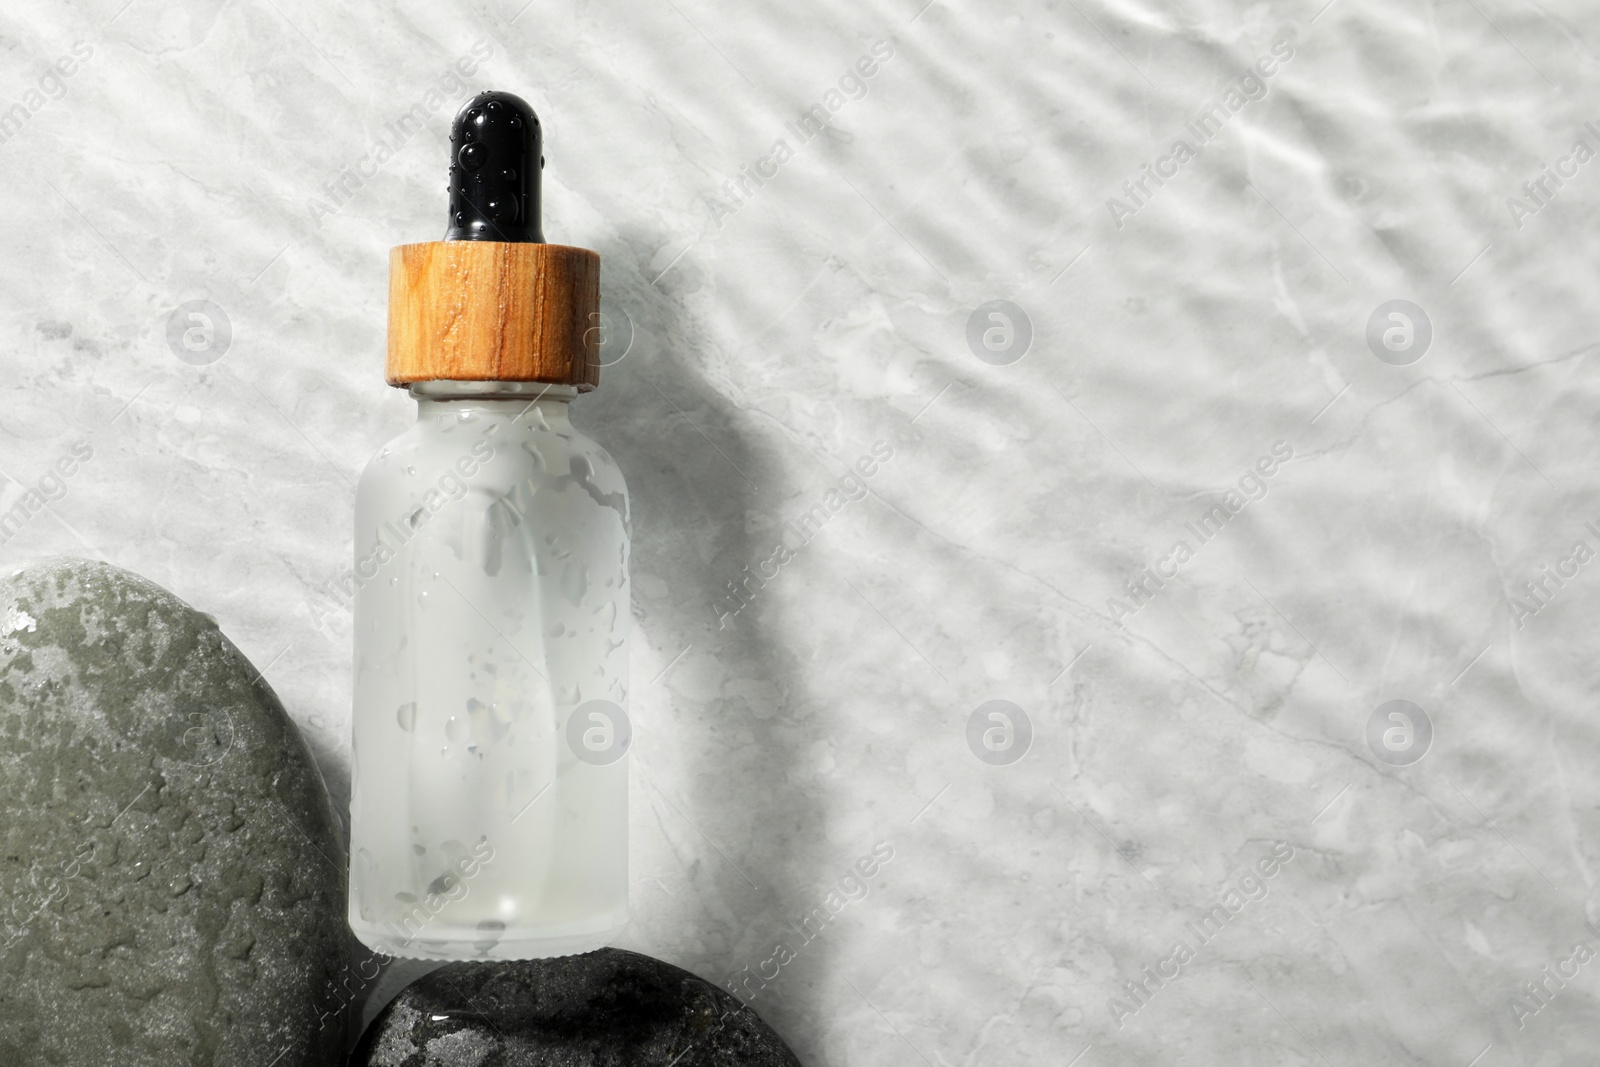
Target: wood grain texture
[493, 311]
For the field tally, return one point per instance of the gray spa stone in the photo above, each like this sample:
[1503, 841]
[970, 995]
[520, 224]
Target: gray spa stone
[610, 1008]
[171, 878]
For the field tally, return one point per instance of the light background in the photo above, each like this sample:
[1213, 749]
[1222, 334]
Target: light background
[775, 344]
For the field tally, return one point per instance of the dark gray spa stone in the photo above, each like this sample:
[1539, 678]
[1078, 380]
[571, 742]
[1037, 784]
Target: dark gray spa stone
[610, 1008]
[171, 877]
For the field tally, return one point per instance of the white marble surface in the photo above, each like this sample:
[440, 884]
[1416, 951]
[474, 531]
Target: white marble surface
[777, 339]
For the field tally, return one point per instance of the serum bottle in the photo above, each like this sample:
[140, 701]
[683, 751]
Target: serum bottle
[489, 785]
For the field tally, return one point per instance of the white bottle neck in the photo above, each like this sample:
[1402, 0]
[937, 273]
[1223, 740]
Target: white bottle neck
[524, 391]
[439, 400]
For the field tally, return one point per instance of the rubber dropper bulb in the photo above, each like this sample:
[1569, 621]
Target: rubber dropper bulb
[496, 154]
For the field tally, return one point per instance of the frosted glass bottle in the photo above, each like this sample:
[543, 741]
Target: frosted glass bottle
[489, 785]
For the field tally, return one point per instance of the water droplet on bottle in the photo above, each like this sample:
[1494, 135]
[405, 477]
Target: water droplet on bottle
[407, 717]
[491, 931]
[457, 729]
[574, 582]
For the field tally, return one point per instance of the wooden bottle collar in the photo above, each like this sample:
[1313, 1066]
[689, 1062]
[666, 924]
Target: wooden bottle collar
[494, 311]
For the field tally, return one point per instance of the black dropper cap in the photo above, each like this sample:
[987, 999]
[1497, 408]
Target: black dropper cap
[496, 153]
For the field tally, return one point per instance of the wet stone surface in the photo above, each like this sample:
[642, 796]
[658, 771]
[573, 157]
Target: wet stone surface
[171, 877]
[600, 1009]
